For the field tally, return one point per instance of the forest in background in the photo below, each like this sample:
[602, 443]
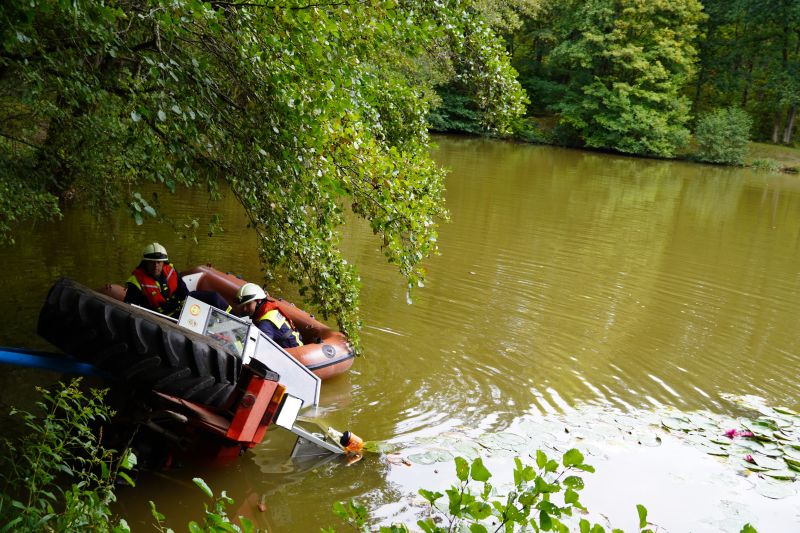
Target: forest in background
[637, 76]
[305, 110]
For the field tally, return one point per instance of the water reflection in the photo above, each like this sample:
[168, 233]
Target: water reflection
[567, 281]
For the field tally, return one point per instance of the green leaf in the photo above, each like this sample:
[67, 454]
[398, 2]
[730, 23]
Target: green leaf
[126, 477]
[545, 522]
[479, 510]
[153, 511]
[203, 486]
[571, 497]
[541, 458]
[747, 528]
[478, 471]
[642, 515]
[462, 468]
[429, 496]
[341, 511]
[573, 457]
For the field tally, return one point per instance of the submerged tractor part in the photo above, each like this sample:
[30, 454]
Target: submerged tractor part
[207, 387]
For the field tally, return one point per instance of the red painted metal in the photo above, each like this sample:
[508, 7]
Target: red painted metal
[249, 413]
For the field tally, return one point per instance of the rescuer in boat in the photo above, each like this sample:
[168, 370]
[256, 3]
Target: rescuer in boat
[154, 284]
[252, 301]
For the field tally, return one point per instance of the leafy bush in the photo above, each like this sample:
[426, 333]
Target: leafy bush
[765, 165]
[58, 477]
[722, 136]
[457, 113]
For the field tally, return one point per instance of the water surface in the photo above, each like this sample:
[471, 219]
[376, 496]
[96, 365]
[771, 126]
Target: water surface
[567, 281]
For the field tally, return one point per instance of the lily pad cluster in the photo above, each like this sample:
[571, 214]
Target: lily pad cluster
[767, 445]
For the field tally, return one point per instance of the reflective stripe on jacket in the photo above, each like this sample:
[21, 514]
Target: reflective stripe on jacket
[155, 291]
[267, 310]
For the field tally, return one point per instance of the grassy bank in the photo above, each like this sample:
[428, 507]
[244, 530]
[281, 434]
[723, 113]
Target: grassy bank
[788, 157]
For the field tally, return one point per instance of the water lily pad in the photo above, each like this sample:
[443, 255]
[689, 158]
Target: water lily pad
[752, 466]
[785, 411]
[468, 450]
[769, 463]
[677, 424]
[718, 451]
[781, 474]
[721, 441]
[776, 490]
[431, 457]
[503, 440]
[791, 455]
[647, 438]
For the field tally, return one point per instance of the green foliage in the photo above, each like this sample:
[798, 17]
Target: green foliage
[750, 57]
[765, 165]
[533, 504]
[57, 477]
[628, 62]
[456, 112]
[215, 516]
[530, 503]
[723, 135]
[298, 109]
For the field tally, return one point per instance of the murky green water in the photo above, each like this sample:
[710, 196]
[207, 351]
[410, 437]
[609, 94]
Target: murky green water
[568, 283]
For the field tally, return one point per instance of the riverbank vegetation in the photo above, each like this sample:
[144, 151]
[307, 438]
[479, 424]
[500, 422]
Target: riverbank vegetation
[59, 477]
[297, 108]
[56, 475]
[638, 77]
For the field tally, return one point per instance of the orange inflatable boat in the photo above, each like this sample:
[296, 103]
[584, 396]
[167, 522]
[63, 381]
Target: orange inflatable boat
[325, 351]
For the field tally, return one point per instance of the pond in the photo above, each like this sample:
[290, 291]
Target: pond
[579, 299]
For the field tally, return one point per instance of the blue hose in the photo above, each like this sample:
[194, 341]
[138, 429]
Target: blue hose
[49, 361]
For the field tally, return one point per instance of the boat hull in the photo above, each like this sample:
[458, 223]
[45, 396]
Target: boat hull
[325, 351]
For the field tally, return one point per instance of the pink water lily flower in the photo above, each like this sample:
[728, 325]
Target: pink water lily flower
[749, 459]
[731, 433]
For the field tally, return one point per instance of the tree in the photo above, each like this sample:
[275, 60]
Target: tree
[298, 108]
[750, 57]
[627, 62]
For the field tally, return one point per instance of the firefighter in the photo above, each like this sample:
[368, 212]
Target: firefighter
[253, 302]
[154, 284]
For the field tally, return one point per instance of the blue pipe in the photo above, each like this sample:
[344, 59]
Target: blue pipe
[49, 361]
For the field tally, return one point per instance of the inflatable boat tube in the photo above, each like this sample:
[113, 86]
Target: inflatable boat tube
[139, 347]
[325, 351]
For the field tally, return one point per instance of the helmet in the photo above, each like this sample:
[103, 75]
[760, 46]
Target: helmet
[249, 292]
[154, 252]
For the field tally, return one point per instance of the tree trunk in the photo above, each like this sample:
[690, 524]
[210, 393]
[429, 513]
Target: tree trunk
[787, 133]
[776, 126]
[748, 83]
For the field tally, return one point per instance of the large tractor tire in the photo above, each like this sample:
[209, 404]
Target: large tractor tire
[136, 346]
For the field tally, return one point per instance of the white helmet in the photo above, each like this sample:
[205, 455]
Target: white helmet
[249, 292]
[154, 252]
